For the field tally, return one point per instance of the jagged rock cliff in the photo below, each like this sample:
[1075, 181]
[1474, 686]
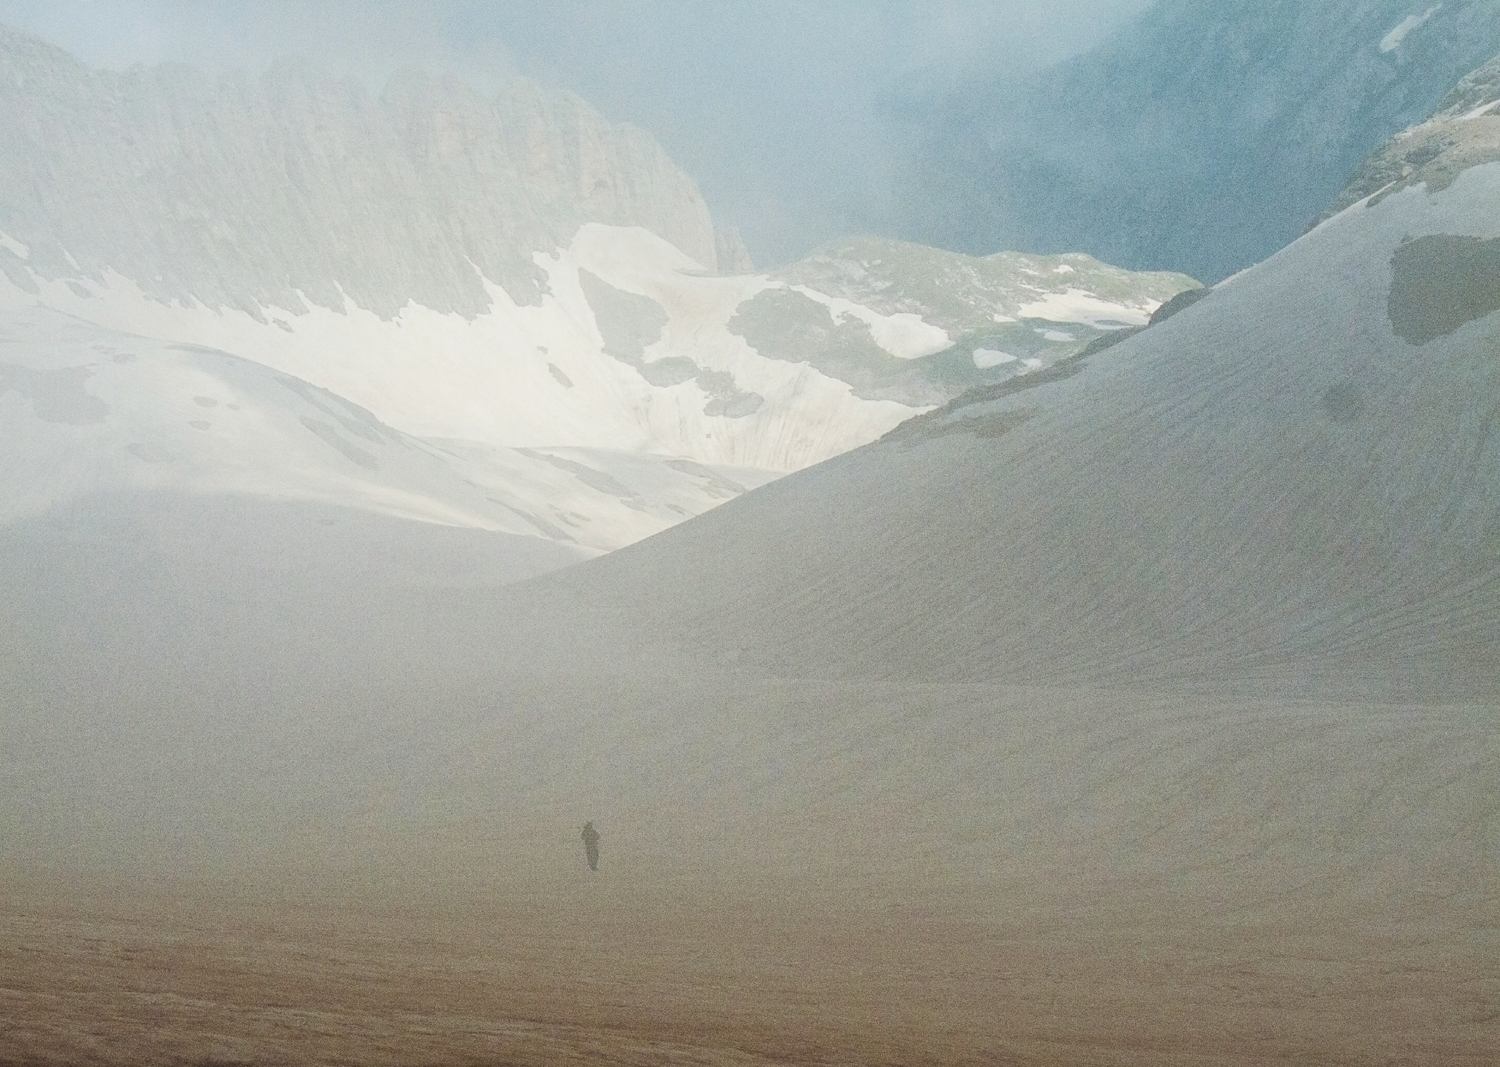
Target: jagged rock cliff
[291, 188]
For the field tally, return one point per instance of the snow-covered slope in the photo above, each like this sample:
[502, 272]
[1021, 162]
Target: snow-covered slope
[496, 314]
[959, 322]
[633, 347]
[91, 412]
[489, 314]
[1186, 647]
[674, 389]
[1288, 488]
[1297, 468]
[1182, 652]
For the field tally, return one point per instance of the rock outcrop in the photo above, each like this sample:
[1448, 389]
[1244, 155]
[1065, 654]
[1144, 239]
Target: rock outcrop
[734, 257]
[1464, 132]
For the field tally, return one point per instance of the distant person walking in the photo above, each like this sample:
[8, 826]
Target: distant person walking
[591, 845]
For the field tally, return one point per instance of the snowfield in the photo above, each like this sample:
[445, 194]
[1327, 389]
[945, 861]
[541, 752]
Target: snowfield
[494, 379]
[657, 395]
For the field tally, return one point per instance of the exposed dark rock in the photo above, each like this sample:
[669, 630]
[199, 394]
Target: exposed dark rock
[734, 257]
[1440, 282]
[1179, 303]
[1459, 135]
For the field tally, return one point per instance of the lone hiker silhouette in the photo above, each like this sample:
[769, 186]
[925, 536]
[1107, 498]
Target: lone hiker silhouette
[591, 845]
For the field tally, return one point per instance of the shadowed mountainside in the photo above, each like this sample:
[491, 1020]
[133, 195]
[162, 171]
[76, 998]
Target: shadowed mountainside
[1464, 132]
[1202, 138]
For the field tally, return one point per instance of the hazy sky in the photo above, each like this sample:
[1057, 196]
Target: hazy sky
[780, 108]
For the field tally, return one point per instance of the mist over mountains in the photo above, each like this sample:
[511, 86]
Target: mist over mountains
[989, 658]
[1201, 138]
[774, 110]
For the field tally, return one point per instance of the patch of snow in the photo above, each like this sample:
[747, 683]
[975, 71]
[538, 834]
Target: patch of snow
[13, 298]
[1078, 305]
[904, 334]
[1392, 41]
[1056, 335]
[1064, 268]
[10, 244]
[985, 358]
[1479, 112]
[1002, 318]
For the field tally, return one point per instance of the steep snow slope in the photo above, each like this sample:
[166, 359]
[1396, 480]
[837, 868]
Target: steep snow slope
[492, 314]
[495, 315]
[634, 348]
[1296, 472]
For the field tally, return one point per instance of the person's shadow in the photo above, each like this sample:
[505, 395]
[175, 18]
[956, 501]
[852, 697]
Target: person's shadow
[591, 845]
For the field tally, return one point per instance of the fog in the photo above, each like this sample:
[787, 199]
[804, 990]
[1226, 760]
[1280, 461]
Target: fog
[454, 610]
[785, 111]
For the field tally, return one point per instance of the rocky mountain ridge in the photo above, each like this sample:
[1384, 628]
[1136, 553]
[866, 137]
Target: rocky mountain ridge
[293, 189]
